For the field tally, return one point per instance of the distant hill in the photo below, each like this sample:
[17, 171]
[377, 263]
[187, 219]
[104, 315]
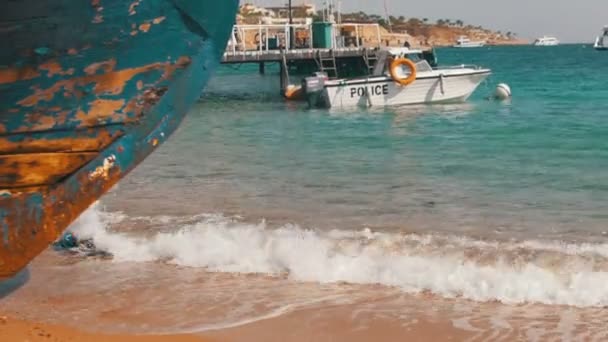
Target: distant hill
[422, 32]
[395, 31]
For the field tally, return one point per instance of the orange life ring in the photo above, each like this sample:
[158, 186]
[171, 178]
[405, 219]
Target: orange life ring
[395, 64]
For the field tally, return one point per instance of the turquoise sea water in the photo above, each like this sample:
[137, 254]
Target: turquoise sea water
[478, 202]
[535, 166]
[481, 201]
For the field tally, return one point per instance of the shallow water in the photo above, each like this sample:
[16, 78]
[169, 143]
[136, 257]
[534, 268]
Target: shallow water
[482, 201]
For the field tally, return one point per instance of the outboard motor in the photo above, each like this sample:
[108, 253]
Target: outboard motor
[314, 87]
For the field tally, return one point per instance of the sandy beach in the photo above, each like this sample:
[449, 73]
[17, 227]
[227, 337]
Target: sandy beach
[355, 322]
[230, 307]
[16, 330]
[288, 328]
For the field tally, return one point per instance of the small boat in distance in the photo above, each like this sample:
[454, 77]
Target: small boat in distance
[401, 76]
[601, 42]
[546, 41]
[464, 42]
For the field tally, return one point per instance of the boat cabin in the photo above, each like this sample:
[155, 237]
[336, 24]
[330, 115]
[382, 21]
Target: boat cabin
[425, 60]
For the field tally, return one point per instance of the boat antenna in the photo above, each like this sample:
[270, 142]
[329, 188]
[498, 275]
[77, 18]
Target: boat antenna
[339, 11]
[291, 30]
[324, 11]
[388, 18]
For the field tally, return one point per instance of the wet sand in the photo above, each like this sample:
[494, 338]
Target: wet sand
[16, 330]
[335, 324]
[355, 323]
[285, 328]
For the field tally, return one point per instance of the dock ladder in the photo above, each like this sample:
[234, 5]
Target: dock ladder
[327, 63]
[370, 60]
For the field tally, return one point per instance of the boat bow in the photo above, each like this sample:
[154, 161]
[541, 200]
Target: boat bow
[87, 91]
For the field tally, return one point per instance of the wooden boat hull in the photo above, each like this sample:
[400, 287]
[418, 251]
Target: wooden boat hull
[88, 89]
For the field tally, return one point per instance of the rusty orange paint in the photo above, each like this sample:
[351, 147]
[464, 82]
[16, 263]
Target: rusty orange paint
[95, 3]
[55, 219]
[140, 85]
[35, 169]
[181, 62]
[105, 66]
[53, 68]
[101, 109]
[40, 119]
[145, 27]
[111, 83]
[72, 52]
[132, 7]
[158, 20]
[40, 94]
[134, 33]
[17, 74]
[154, 142]
[100, 140]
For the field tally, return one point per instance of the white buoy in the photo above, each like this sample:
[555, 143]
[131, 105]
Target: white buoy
[503, 92]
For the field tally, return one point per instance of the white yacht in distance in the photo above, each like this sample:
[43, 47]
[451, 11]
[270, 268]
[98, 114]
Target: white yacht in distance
[464, 42]
[546, 41]
[601, 42]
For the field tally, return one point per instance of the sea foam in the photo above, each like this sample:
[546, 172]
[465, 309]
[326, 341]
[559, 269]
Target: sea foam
[510, 272]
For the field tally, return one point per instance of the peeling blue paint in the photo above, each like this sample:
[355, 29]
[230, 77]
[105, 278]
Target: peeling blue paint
[42, 51]
[61, 83]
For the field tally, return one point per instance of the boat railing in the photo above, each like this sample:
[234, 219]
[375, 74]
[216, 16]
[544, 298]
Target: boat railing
[272, 37]
[422, 66]
[456, 67]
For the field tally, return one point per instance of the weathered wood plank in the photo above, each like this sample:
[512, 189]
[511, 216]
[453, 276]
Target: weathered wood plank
[88, 140]
[35, 169]
[148, 60]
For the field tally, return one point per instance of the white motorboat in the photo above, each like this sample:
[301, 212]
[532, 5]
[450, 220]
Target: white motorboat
[546, 41]
[601, 42]
[464, 42]
[393, 84]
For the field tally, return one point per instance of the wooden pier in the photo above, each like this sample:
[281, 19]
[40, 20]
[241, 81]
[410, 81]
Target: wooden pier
[344, 56]
[341, 62]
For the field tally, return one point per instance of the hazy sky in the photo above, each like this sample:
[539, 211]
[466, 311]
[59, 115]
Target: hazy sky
[569, 20]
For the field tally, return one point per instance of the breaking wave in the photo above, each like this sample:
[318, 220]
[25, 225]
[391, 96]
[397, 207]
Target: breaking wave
[449, 266]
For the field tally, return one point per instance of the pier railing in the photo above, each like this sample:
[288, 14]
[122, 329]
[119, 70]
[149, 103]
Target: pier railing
[269, 38]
